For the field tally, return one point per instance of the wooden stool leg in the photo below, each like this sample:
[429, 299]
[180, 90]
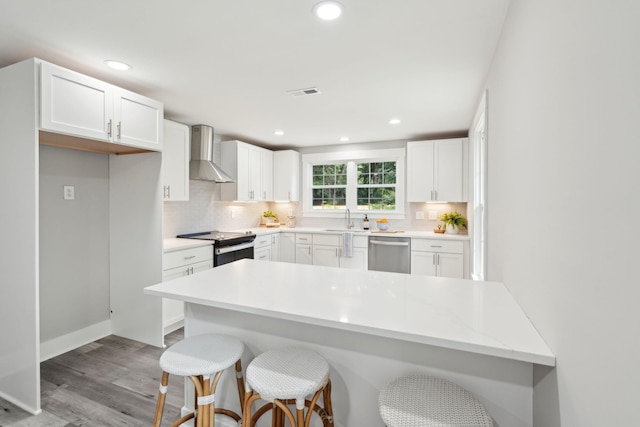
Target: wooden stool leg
[326, 396]
[162, 395]
[240, 382]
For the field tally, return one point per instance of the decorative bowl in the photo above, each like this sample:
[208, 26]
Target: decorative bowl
[382, 226]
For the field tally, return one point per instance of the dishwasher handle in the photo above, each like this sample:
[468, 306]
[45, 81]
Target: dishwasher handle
[385, 243]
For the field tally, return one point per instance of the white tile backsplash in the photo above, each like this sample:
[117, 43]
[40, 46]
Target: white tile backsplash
[204, 211]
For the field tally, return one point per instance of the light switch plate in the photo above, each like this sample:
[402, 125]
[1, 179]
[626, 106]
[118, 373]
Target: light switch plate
[419, 214]
[69, 192]
[432, 214]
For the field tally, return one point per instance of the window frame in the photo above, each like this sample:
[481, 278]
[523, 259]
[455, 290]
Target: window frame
[351, 158]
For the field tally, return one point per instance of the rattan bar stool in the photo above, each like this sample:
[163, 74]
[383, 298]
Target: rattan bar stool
[203, 359]
[426, 401]
[286, 377]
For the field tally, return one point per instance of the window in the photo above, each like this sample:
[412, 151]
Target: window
[377, 186]
[329, 186]
[366, 182]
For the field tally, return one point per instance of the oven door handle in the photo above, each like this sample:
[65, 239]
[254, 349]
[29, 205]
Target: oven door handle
[234, 248]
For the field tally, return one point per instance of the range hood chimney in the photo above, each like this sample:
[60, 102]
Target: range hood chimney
[201, 166]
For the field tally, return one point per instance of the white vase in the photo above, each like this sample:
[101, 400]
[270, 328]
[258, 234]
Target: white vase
[452, 229]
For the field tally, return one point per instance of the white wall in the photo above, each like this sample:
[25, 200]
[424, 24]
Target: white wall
[74, 241]
[563, 106]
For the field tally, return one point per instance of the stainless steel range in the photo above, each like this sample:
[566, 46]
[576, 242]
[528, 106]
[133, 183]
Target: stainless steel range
[227, 246]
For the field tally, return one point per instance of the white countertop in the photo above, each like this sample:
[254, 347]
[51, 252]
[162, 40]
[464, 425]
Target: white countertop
[477, 317]
[401, 233]
[175, 244]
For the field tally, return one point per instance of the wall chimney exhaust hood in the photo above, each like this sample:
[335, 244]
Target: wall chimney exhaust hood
[201, 166]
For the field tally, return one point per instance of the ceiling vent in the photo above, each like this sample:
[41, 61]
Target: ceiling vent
[304, 92]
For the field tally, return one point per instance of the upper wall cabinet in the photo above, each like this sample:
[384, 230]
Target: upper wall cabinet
[252, 168]
[78, 105]
[435, 170]
[286, 175]
[175, 161]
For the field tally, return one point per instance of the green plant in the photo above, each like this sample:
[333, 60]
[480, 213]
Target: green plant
[454, 219]
[269, 214]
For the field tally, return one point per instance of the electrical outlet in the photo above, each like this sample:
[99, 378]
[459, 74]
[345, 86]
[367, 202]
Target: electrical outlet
[69, 192]
[433, 215]
[420, 215]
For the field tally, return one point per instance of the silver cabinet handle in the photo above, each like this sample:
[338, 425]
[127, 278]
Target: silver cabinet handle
[436, 246]
[435, 192]
[109, 128]
[302, 238]
[384, 243]
[191, 270]
[190, 257]
[434, 259]
[264, 195]
[336, 252]
[168, 191]
[119, 130]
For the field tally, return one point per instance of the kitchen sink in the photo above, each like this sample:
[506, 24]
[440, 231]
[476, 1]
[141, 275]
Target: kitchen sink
[342, 230]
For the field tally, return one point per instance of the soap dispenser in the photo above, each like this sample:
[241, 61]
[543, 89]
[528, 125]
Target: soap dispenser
[365, 222]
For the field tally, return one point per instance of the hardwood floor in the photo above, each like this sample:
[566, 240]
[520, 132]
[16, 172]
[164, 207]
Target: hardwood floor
[110, 382]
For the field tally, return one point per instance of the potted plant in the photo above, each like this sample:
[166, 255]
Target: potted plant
[270, 217]
[453, 221]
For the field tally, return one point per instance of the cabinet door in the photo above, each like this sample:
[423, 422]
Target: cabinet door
[138, 120]
[448, 170]
[266, 180]
[286, 175]
[263, 254]
[175, 161]
[359, 260]
[275, 247]
[451, 265]
[420, 176]
[423, 263]
[255, 173]
[287, 247]
[326, 255]
[74, 104]
[303, 254]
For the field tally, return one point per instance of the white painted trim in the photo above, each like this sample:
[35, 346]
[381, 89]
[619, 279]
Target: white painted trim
[173, 324]
[20, 404]
[73, 340]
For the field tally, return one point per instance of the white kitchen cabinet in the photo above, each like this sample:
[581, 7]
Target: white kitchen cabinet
[304, 248]
[286, 175]
[78, 105]
[431, 257]
[287, 251]
[328, 251]
[275, 247]
[175, 161]
[251, 167]
[435, 170]
[262, 247]
[176, 264]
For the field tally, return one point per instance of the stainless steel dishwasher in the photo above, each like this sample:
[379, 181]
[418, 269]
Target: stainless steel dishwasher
[390, 254]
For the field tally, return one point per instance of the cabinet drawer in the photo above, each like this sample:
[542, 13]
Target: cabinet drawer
[263, 241]
[304, 238]
[455, 247]
[326, 239]
[187, 256]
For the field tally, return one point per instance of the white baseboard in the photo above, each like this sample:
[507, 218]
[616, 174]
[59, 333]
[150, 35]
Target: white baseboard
[73, 340]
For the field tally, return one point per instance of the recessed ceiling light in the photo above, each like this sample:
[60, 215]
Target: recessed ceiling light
[328, 10]
[344, 139]
[278, 132]
[117, 65]
[394, 121]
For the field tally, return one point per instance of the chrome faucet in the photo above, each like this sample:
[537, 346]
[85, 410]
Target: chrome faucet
[348, 218]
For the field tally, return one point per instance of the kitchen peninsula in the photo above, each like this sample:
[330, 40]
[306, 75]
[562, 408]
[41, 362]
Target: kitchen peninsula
[373, 326]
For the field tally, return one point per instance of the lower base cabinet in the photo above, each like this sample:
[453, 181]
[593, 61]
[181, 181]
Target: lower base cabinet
[437, 258]
[328, 250]
[262, 248]
[176, 264]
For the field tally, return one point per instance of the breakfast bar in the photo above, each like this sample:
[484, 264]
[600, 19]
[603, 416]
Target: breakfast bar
[372, 327]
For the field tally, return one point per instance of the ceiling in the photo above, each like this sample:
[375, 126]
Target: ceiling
[230, 63]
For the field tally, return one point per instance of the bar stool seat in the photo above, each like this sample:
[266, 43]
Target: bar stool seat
[284, 377]
[427, 401]
[203, 359]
